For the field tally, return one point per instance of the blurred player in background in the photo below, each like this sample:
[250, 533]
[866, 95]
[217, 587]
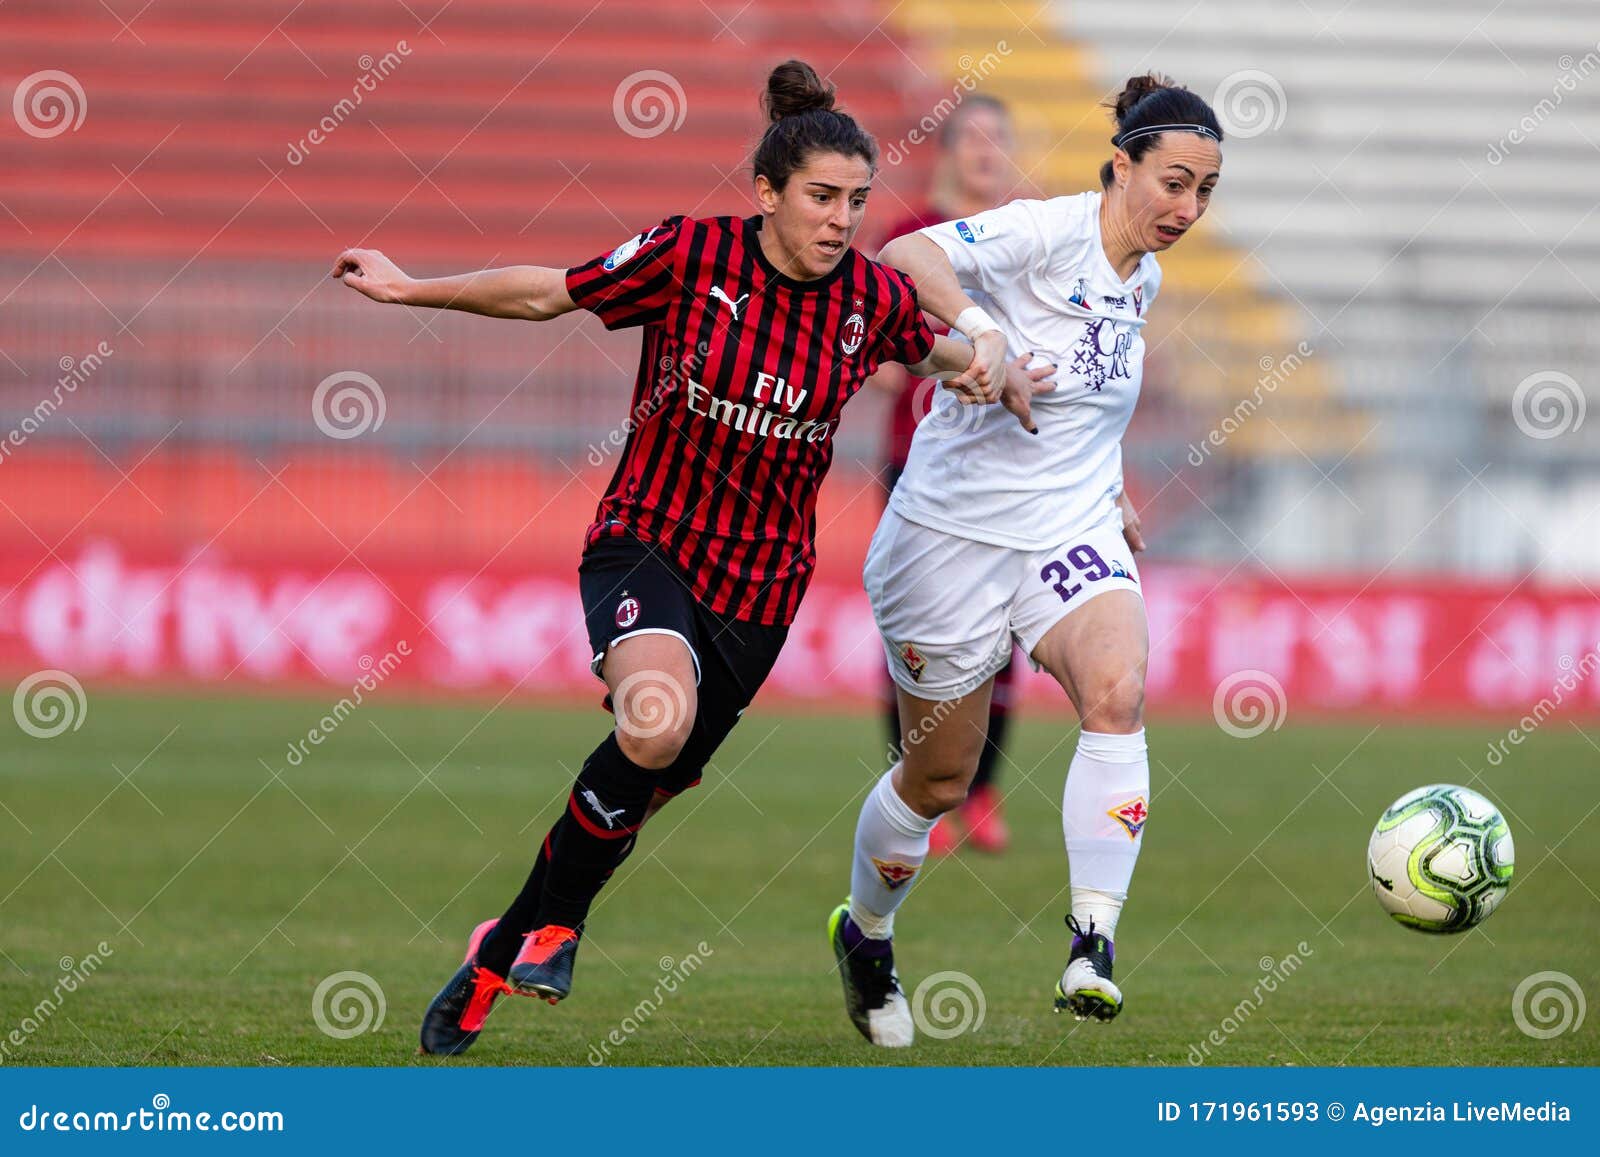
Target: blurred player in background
[973, 172]
[992, 535]
[756, 332]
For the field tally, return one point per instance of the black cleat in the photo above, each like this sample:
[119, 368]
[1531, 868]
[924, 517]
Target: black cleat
[872, 995]
[1085, 988]
[544, 966]
[454, 1019]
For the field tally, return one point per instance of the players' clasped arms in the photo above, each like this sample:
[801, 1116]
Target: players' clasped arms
[756, 332]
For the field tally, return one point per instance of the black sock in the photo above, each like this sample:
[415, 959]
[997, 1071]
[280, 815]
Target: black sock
[891, 716]
[606, 807]
[999, 722]
[500, 947]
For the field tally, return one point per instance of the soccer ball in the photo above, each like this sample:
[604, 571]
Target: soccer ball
[1440, 859]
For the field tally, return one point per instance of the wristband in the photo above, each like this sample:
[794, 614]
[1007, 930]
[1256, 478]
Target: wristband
[973, 322]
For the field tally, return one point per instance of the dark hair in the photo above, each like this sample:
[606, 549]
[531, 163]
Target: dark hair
[1153, 99]
[799, 107]
[978, 100]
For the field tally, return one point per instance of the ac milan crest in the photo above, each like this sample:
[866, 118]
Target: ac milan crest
[627, 611]
[853, 333]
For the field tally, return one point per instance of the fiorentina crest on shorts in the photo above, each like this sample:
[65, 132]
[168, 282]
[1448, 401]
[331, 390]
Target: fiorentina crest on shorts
[627, 611]
[914, 663]
[1131, 815]
[895, 874]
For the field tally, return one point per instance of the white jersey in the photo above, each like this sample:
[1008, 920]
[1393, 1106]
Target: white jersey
[1038, 268]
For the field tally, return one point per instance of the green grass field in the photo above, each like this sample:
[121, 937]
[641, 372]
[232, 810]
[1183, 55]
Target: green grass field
[226, 895]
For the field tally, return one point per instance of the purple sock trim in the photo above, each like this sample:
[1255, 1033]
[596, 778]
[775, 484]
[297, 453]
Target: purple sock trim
[857, 941]
[1111, 949]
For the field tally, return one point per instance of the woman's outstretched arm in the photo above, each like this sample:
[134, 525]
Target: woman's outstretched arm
[525, 292]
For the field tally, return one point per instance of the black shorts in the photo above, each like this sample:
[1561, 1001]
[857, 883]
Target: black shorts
[629, 589]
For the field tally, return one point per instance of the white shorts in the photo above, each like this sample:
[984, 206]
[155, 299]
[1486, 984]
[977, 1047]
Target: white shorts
[948, 607]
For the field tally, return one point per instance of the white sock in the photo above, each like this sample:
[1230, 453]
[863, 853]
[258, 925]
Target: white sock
[1091, 906]
[1103, 813]
[891, 843]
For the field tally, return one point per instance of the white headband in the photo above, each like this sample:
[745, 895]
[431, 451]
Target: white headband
[1122, 139]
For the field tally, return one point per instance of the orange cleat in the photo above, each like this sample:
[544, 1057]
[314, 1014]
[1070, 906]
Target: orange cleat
[544, 966]
[986, 827]
[945, 836]
[452, 1023]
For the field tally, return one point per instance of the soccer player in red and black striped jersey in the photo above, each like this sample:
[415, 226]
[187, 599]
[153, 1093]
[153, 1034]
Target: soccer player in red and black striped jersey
[974, 172]
[755, 334]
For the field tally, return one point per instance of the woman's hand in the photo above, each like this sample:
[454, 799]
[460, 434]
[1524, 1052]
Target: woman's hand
[1022, 385]
[1130, 523]
[370, 272]
[981, 382]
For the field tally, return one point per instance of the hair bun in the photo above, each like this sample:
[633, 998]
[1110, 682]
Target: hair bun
[793, 88]
[1137, 88]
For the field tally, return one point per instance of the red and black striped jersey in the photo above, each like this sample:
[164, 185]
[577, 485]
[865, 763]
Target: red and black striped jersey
[743, 373]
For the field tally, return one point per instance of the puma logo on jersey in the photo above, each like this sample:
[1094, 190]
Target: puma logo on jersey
[733, 306]
[608, 817]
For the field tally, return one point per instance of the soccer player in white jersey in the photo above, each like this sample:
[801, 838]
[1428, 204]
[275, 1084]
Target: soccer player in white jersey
[993, 534]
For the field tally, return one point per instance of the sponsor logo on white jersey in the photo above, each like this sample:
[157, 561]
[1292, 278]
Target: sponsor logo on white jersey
[973, 232]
